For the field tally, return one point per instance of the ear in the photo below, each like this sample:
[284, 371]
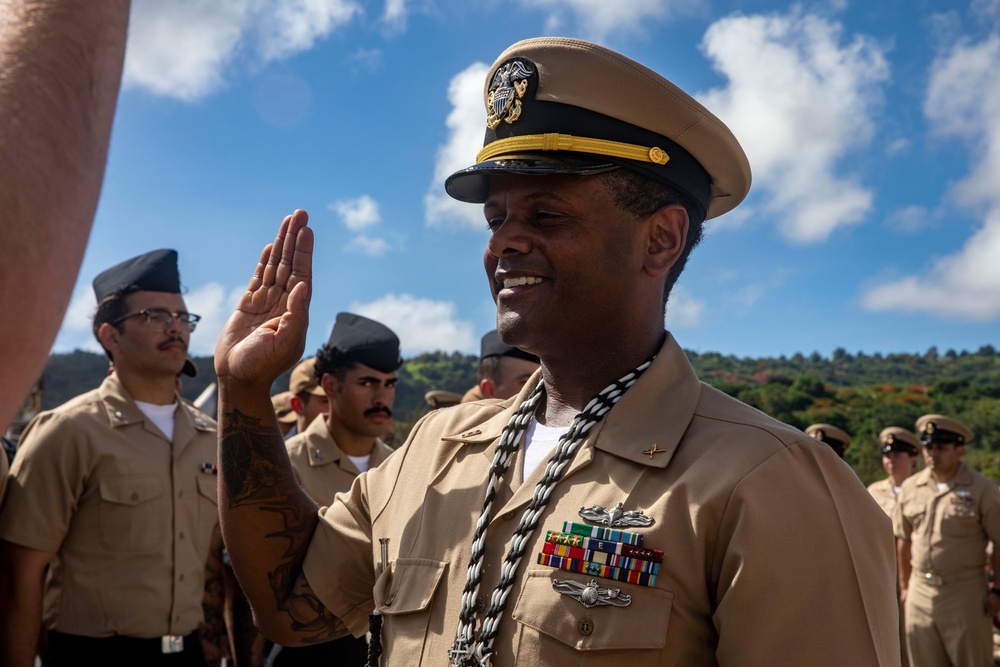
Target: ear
[667, 233]
[297, 406]
[487, 388]
[109, 337]
[330, 385]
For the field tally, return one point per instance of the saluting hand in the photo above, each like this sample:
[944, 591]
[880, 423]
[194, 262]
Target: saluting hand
[267, 332]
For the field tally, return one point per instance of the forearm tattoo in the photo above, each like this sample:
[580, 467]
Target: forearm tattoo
[255, 473]
[292, 593]
[212, 631]
[252, 460]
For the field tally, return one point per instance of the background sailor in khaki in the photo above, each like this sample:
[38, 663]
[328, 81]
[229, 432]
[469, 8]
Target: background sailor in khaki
[503, 369]
[899, 456]
[357, 371]
[114, 495]
[308, 398]
[837, 438]
[945, 516]
[595, 176]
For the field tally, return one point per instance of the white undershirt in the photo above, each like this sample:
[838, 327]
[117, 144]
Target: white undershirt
[942, 486]
[539, 441]
[161, 415]
[361, 462]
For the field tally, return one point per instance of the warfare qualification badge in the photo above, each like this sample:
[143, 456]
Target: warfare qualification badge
[506, 90]
[615, 517]
[592, 595]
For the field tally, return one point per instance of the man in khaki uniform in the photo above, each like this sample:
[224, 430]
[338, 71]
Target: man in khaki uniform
[357, 371]
[503, 369]
[655, 531]
[111, 507]
[308, 398]
[899, 456]
[945, 516]
[837, 438]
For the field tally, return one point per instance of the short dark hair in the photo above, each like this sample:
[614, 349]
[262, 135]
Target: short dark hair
[642, 197]
[110, 309]
[489, 368]
[333, 360]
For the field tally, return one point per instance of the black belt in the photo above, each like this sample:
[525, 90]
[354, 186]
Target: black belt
[65, 650]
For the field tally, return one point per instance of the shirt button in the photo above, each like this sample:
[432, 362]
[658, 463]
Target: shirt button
[180, 535]
[480, 605]
[180, 577]
[135, 496]
[585, 626]
[180, 494]
[508, 516]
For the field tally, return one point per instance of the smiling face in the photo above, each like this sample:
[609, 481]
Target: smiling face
[565, 262]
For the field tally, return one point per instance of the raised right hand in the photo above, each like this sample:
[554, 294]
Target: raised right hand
[266, 334]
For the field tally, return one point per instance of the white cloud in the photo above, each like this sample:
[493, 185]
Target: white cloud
[466, 126]
[911, 219]
[357, 214]
[597, 19]
[395, 14]
[800, 102]
[183, 48]
[423, 325]
[683, 310]
[367, 245]
[215, 305]
[962, 101]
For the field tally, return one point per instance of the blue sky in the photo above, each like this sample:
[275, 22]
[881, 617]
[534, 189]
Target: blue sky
[873, 131]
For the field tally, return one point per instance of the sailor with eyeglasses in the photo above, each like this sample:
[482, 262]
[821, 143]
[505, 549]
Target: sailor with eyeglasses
[110, 531]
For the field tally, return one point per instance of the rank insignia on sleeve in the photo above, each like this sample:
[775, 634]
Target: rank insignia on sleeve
[592, 595]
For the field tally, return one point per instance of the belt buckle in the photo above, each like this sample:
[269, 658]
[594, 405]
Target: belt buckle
[172, 644]
[932, 579]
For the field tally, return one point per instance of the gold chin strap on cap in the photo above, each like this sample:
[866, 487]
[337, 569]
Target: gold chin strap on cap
[567, 142]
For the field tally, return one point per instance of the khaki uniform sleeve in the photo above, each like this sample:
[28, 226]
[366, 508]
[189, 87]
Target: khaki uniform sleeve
[812, 582]
[990, 511]
[45, 483]
[901, 526]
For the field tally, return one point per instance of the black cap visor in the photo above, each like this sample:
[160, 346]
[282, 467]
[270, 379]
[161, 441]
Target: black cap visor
[472, 184]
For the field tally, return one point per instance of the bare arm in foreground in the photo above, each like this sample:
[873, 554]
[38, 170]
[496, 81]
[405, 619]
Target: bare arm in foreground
[267, 519]
[60, 69]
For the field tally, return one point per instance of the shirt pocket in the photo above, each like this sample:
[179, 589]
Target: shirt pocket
[560, 627]
[960, 519]
[405, 599]
[129, 519]
[208, 507]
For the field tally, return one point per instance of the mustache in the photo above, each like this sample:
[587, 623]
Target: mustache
[377, 409]
[173, 339]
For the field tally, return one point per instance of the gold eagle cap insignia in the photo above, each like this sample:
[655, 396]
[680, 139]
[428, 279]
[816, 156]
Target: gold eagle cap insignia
[510, 83]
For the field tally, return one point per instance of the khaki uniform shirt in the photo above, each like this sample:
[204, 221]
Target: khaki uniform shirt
[128, 515]
[773, 552]
[321, 467]
[884, 495]
[948, 530]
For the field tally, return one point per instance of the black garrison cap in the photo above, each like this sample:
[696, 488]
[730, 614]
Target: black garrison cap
[492, 346]
[367, 342]
[155, 271]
